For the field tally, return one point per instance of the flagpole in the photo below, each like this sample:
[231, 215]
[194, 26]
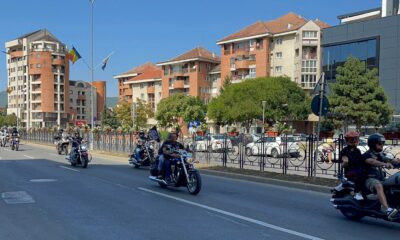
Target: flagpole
[92, 74]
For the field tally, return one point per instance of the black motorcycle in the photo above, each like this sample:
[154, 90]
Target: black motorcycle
[14, 143]
[353, 209]
[79, 155]
[183, 173]
[147, 156]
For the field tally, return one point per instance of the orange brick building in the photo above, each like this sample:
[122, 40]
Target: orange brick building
[287, 46]
[188, 73]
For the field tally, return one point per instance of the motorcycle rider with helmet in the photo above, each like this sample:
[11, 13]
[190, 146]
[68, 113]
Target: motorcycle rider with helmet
[139, 147]
[76, 141]
[353, 163]
[166, 154]
[374, 162]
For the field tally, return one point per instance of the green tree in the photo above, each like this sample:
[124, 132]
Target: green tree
[10, 120]
[358, 95]
[178, 107]
[123, 113]
[108, 118]
[144, 111]
[242, 102]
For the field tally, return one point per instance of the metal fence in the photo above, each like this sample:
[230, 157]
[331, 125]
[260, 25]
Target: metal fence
[283, 154]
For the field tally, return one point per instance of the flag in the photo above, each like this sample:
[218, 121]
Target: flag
[9, 90]
[73, 55]
[104, 63]
[91, 1]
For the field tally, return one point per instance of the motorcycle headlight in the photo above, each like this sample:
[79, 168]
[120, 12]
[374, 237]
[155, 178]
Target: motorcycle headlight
[151, 147]
[83, 147]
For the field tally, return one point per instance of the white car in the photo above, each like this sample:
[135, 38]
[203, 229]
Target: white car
[273, 146]
[212, 143]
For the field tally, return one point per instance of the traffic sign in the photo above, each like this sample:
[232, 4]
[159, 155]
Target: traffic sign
[315, 105]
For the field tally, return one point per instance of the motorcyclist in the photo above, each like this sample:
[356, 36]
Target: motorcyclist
[375, 161]
[140, 144]
[166, 154]
[76, 141]
[153, 134]
[352, 163]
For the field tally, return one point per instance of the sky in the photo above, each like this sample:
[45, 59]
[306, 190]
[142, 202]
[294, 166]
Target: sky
[139, 31]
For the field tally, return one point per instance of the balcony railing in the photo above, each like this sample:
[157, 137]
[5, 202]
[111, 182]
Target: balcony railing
[310, 42]
[308, 85]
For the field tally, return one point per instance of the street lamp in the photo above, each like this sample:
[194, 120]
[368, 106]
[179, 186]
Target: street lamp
[264, 103]
[7, 53]
[91, 72]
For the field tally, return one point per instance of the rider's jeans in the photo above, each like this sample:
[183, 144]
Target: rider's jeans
[160, 162]
[138, 150]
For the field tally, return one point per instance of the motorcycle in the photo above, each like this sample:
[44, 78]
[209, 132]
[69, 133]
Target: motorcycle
[183, 173]
[62, 145]
[4, 140]
[343, 199]
[81, 155]
[14, 143]
[147, 156]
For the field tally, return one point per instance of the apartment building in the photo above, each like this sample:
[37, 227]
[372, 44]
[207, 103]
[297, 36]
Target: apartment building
[287, 46]
[188, 73]
[80, 101]
[125, 90]
[38, 75]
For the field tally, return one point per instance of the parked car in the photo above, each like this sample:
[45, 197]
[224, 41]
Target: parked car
[212, 143]
[300, 137]
[273, 146]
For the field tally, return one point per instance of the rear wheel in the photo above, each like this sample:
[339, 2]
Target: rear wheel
[351, 214]
[194, 184]
[16, 147]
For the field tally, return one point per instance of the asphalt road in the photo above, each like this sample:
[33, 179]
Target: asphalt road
[44, 198]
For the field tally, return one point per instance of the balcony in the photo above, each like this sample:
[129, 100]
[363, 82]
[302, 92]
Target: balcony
[81, 97]
[128, 92]
[310, 42]
[16, 54]
[58, 61]
[36, 90]
[179, 84]
[150, 90]
[244, 64]
[241, 51]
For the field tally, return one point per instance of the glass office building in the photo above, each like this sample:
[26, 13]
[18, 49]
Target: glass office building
[335, 55]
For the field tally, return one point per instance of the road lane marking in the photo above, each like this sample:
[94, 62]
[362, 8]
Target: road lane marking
[17, 197]
[43, 180]
[6, 149]
[237, 216]
[71, 169]
[27, 156]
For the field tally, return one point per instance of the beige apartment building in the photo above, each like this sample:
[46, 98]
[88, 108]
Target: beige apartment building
[287, 46]
[80, 101]
[38, 75]
[142, 82]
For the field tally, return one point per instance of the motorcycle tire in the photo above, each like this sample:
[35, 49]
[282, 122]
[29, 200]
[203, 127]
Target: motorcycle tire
[16, 147]
[85, 162]
[73, 164]
[65, 148]
[195, 175]
[351, 214]
[12, 147]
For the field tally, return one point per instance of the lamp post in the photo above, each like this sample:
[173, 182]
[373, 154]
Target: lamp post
[7, 53]
[264, 103]
[91, 72]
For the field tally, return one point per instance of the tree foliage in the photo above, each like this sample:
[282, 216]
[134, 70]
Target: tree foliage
[242, 102]
[8, 120]
[144, 111]
[358, 95]
[108, 118]
[123, 113]
[179, 106]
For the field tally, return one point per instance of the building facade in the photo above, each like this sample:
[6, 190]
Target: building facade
[81, 102]
[372, 36]
[38, 75]
[188, 73]
[287, 46]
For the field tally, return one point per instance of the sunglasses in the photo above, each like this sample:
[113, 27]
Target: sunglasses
[381, 143]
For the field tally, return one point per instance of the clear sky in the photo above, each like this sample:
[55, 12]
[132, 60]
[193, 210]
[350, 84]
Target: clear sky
[150, 30]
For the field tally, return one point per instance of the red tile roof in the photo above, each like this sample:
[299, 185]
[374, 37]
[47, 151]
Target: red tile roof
[149, 73]
[321, 24]
[286, 23]
[198, 52]
[139, 69]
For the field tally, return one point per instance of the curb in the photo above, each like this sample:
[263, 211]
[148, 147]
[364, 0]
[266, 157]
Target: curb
[297, 185]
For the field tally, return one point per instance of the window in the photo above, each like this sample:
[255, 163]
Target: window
[297, 52]
[141, 85]
[279, 41]
[252, 72]
[310, 34]
[166, 71]
[159, 94]
[278, 69]
[308, 80]
[251, 43]
[309, 66]
[279, 55]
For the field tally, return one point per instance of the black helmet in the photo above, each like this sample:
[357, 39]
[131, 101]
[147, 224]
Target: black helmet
[375, 139]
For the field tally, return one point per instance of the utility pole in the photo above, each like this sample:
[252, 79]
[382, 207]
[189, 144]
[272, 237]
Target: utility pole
[321, 98]
[58, 97]
[91, 72]
[264, 103]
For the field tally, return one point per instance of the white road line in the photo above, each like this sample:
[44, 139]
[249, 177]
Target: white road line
[20, 197]
[42, 180]
[6, 149]
[237, 216]
[27, 156]
[71, 169]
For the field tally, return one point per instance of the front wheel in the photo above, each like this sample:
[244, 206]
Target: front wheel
[16, 147]
[194, 184]
[84, 161]
[12, 147]
[65, 148]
